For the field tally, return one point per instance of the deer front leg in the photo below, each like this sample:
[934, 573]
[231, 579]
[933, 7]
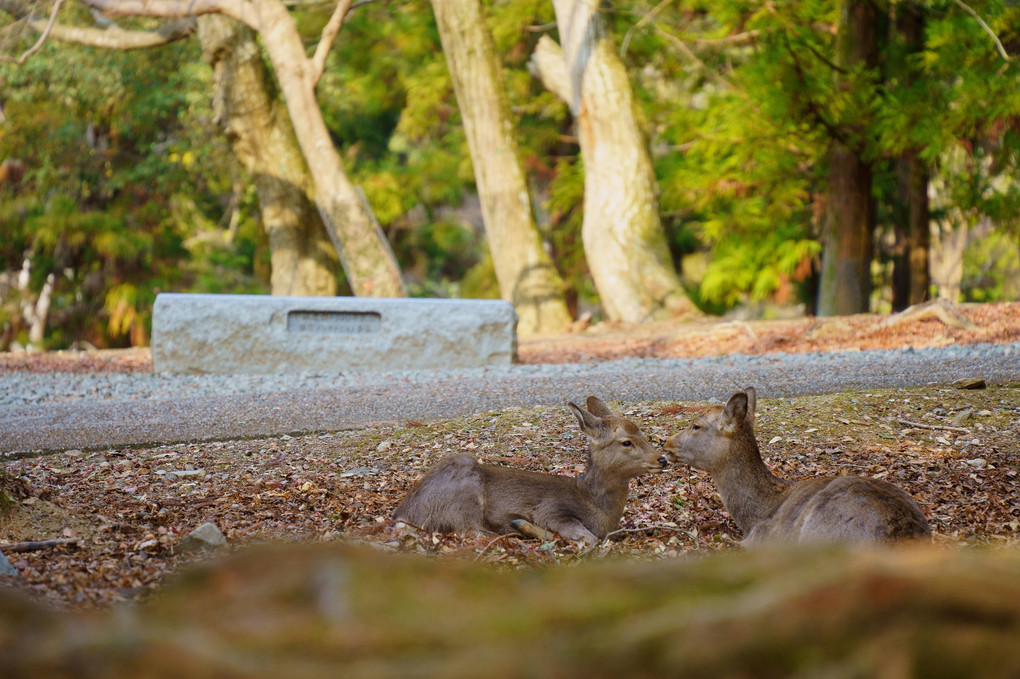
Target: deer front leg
[574, 531]
[569, 529]
[525, 527]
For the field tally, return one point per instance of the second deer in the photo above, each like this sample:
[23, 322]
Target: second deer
[460, 494]
[838, 509]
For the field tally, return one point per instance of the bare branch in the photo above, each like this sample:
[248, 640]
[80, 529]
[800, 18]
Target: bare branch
[641, 22]
[705, 68]
[735, 39]
[112, 37]
[548, 65]
[919, 425]
[35, 545]
[813, 109]
[362, 3]
[998, 43]
[245, 12]
[119, 39]
[329, 33]
[45, 34]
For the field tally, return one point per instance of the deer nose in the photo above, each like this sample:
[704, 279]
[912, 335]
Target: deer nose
[663, 462]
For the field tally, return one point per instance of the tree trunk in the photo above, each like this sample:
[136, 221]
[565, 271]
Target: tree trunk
[624, 241]
[911, 276]
[303, 259]
[947, 250]
[848, 236]
[910, 263]
[526, 275]
[364, 252]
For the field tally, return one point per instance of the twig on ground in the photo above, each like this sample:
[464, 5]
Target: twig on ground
[945, 427]
[36, 545]
[490, 543]
[639, 529]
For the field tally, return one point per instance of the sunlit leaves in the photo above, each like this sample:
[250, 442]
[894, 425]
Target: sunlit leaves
[110, 141]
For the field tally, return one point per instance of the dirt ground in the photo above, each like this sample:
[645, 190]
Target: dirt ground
[115, 518]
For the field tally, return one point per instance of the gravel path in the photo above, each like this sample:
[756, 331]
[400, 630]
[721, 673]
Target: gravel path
[58, 411]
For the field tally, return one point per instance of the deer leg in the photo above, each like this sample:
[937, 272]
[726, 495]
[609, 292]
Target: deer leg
[571, 530]
[525, 527]
[575, 532]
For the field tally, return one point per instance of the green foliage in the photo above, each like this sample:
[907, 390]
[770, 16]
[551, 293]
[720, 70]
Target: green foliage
[566, 193]
[127, 179]
[440, 254]
[479, 281]
[991, 268]
[389, 102]
[113, 145]
[753, 106]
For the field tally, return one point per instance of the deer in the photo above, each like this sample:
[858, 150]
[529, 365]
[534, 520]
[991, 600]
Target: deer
[769, 509]
[460, 494]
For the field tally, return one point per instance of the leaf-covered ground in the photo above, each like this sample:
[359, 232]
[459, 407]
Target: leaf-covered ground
[956, 451]
[130, 508]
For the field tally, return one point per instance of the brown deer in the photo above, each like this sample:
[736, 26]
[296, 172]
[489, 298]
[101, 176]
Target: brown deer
[835, 509]
[459, 494]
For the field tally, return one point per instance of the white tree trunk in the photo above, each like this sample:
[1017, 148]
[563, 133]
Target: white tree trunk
[624, 241]
[364, 252]
[526, 275]
[949, 240]
[302, 257]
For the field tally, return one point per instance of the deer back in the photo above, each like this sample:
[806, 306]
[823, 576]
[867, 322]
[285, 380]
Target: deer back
[843, 509]
[769, 509]
[450, 497]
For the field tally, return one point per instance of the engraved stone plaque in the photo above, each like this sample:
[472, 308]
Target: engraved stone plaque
[334, 322]
[277, 334]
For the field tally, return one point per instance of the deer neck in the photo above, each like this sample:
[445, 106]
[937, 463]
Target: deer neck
[748, 489]
[607, 491]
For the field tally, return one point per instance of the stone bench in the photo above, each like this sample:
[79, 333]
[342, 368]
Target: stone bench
[225, 334]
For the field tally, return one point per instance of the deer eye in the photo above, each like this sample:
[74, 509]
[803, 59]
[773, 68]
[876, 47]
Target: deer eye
[626, 444]
[695, 427]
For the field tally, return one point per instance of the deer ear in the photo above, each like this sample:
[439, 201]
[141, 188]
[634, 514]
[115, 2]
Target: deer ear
[734, 412]
[752, 403]
[597, 407]
[590, 424]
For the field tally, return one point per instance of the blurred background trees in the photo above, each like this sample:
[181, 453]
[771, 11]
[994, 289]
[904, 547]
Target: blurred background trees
[797, 162]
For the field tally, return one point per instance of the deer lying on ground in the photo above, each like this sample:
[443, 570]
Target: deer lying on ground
[767, 509]
[459, 494]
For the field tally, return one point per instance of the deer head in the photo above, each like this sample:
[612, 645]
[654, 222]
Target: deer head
[707, 444]
[617, 445]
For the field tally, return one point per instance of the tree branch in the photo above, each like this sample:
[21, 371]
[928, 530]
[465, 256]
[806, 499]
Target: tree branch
[735, 39]
[329, 33]
[641, 22]
[711, 72]
[119, 39]
[113, 37]
[42, 37]
[246, 12]
[919, 425]
[812, 108]
[998, 43]
[35, 545]
[548, 65]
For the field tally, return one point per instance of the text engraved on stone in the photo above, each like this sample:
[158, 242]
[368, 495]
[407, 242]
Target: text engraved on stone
[334, 322]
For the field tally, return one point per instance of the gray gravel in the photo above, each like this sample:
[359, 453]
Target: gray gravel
[58, 411]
